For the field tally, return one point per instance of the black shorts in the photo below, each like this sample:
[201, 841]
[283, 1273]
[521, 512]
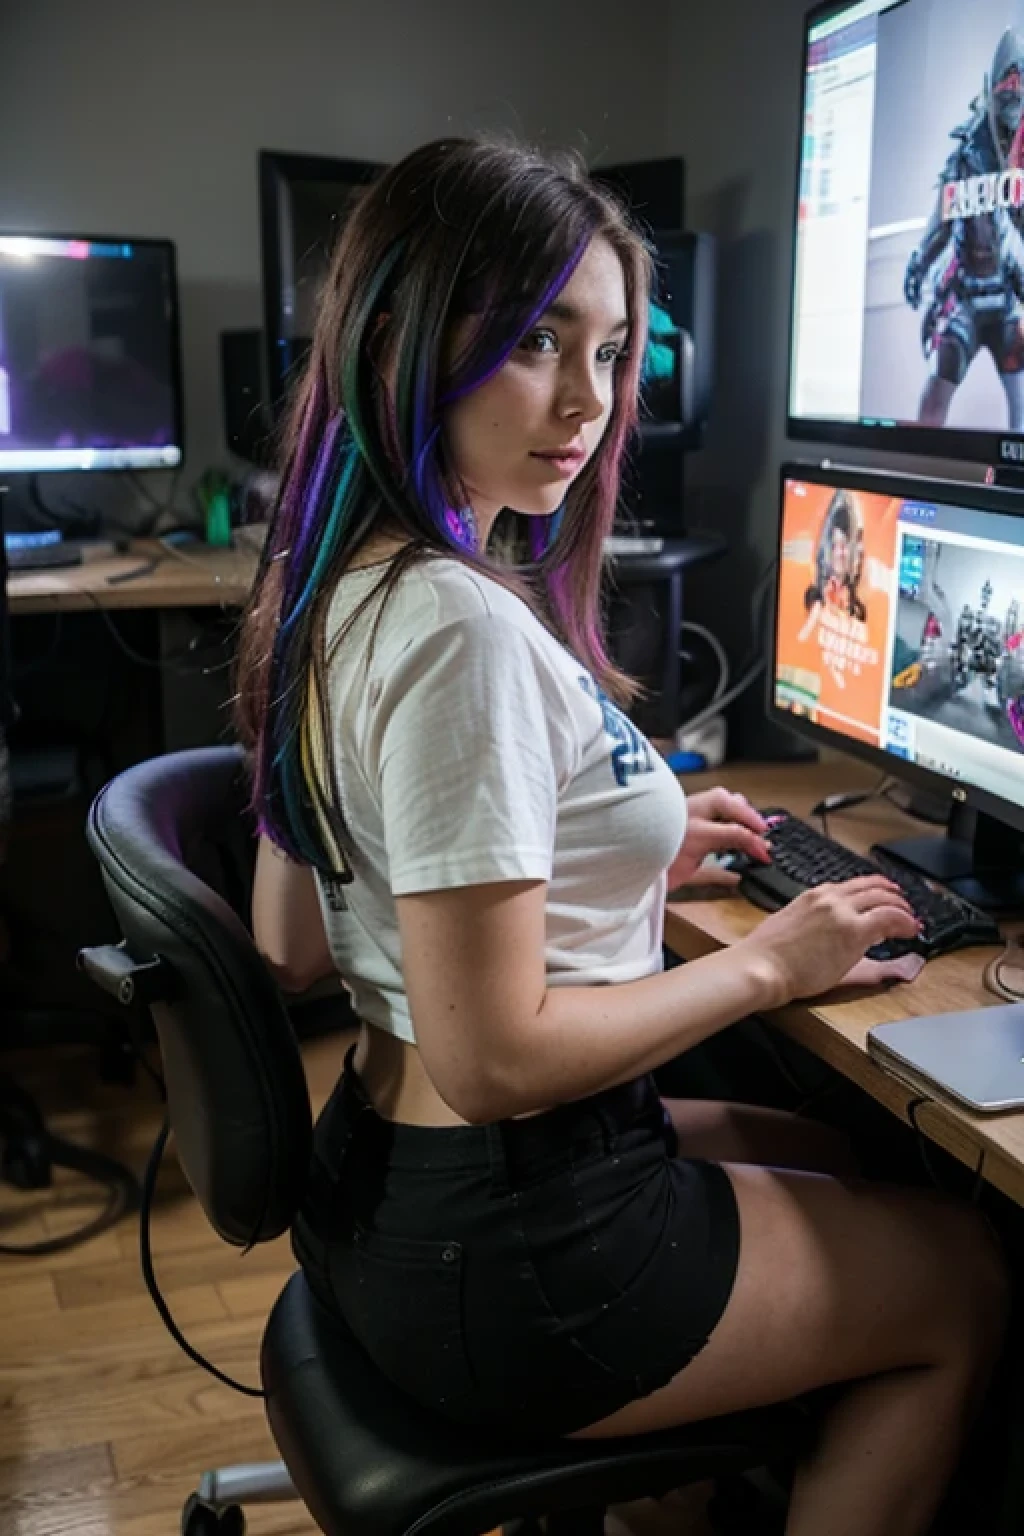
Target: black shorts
[530, 1276]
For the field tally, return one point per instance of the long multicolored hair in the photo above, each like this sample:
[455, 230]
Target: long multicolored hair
[459, 230]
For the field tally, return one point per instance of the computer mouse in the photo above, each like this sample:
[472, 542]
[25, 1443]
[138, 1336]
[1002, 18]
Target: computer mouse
[895, 949]
[734, 862]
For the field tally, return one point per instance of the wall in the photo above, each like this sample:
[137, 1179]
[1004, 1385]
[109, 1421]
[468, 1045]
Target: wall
[145, 118]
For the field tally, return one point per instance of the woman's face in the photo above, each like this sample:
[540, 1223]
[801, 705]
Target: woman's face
[840, 562]
[522, 438]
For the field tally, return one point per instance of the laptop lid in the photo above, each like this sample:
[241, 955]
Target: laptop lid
[976, 1057]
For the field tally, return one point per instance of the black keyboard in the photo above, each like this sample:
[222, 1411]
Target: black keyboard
[39, 557]
[803, 857]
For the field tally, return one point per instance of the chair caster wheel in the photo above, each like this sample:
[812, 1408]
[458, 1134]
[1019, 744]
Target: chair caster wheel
[200, 1518]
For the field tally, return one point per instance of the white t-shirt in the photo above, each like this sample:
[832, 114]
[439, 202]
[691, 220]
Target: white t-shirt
[471, 747]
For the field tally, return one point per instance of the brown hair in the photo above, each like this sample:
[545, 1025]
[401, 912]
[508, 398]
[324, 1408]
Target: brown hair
[460, 228]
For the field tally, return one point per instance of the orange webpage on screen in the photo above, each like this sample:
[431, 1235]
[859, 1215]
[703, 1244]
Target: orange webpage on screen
[836, 585]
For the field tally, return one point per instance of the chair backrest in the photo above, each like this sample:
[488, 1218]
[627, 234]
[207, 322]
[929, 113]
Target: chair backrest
[176, 847]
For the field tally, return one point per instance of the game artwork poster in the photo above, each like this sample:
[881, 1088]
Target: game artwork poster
[943, 341]
[836, 585]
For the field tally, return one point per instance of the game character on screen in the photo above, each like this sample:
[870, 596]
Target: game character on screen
[969, 267]
[838, 564]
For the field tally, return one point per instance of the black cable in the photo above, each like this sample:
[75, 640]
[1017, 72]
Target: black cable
[157, 509]
[144, 491]
[158, 663]
[923, 1151]
[922, 1141]
[117, 1204]
[80, 520]
[47, 1152]
[149, 1274]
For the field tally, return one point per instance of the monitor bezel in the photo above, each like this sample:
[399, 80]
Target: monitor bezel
[968, 445]
[884, 483]
[177, 375]
[278, 169]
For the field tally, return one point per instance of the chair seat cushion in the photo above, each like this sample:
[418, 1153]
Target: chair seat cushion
[368, 1462]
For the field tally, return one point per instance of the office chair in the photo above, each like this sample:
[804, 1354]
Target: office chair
[176, 849]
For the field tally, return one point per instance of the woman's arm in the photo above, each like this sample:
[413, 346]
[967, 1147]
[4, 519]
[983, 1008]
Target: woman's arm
[287, 922]
[497, 1041]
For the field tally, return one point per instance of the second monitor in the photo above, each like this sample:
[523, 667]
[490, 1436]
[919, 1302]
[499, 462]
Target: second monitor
[899, 636]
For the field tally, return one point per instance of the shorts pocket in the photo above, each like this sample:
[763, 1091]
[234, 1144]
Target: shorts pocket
[402, 1298]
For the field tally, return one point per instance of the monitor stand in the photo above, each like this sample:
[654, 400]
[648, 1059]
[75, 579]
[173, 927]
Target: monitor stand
[980, 858]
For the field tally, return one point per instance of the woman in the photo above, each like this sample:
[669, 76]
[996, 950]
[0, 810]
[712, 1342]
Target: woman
[458, 818]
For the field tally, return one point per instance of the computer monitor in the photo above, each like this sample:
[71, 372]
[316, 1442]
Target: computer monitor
[90, 369]
[908, 293]
[304, 201]
[899, 637]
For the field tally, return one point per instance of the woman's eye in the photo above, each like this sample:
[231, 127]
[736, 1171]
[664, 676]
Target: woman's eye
[540, 341]
[611, 353]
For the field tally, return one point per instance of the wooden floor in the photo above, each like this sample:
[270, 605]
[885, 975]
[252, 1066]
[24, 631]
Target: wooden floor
[105, 1425]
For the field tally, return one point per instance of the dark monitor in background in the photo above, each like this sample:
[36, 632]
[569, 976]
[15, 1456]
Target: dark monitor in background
[908, 291]
[90, 368]
[304, 200]
[655, 190]
[899, 637]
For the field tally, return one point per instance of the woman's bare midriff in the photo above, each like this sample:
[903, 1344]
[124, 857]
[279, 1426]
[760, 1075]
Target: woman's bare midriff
[393, 1074]
[392, 1070]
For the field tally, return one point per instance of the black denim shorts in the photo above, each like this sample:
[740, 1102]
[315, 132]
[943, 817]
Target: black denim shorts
[530, 1276]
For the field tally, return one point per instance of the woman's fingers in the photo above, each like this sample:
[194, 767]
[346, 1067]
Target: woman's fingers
[730, 837]
[729, 807]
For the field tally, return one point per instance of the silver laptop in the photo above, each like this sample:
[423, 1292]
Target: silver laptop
[977, 1058]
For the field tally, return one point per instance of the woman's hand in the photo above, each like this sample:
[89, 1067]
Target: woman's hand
[717, 822]
[810, 945]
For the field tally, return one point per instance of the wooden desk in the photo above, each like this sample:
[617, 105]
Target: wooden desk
[193, 577]
[835, 1028]
[191, 706]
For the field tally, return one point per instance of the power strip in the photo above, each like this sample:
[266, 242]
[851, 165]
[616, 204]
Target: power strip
[707, 741]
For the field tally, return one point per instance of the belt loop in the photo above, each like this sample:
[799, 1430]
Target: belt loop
[496, 1153]
[609, 1126]
[357, 1105]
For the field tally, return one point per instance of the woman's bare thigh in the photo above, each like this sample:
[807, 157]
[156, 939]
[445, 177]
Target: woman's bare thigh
[723, 1132]
[836, 1280]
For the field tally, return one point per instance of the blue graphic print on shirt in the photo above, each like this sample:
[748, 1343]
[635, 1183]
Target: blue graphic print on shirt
[631, 752]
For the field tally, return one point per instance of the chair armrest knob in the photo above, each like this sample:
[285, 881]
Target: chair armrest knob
[111, 967]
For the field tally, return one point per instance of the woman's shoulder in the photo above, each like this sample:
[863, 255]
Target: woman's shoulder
[430, 594]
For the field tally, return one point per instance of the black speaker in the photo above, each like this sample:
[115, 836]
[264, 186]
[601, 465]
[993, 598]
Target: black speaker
[247, 425]
[684, 291]
[644, 619]
[677, 387]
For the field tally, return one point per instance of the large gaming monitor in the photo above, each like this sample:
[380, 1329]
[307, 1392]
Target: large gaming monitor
[908, 298]
[899, 637]
[90, 371]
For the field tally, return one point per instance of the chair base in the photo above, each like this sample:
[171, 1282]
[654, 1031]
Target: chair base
[265, 1482]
